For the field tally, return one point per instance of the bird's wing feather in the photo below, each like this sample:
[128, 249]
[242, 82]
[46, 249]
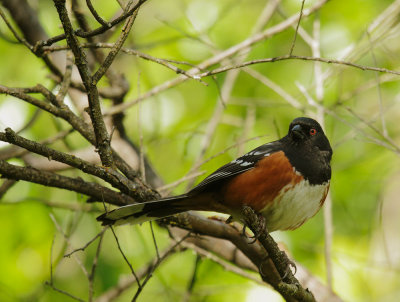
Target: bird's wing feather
[239, 165]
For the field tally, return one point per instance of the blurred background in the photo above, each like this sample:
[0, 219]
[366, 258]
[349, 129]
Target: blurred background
[192, 127]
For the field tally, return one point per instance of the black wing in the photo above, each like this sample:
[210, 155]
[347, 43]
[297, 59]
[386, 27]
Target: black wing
[239, 165]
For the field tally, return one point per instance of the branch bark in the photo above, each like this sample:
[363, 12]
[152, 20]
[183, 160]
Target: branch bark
[95, 191]
[99, 127]
[236, 248]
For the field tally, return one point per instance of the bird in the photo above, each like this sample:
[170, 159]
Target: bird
[284, 181]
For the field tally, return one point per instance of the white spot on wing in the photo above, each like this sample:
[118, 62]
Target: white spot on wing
[236, 161]
[246, 163]
[258, 153]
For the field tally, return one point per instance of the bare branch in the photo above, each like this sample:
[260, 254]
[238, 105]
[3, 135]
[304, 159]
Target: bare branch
[94, 190]
[96, 31]
[83, 248]
[71, 206]
[126, 259]
[292, 57]
[99, 127]
[269, 32]
[5, 186]
[297, 28]
[96, 15]
[130, 51]
[226, 265]
[292, 286]
[11, 137]
[115, 49]
[94, 265]
[14, 32]
[64, 292]
[126, 283]
[62, 92]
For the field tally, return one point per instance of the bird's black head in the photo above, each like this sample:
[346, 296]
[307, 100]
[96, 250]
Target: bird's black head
[309, 132]
[308, 150]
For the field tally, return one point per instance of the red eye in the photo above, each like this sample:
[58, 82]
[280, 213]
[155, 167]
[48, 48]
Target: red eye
[313, 131]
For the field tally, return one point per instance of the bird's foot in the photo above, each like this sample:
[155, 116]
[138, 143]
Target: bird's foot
[259, 225]
[289, 265]
[261, 228]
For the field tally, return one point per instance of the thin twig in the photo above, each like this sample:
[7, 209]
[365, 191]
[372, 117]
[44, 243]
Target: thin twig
[126, 283]
[79, 125]
[14, 32]
[64, 292]
[31, 121]
[152, 268]
[269, 32]
[154, 239]
[94, 32]
[297, 28]
[62, 92]
[96, 191]
[319, 93]
[387, 142]
[190, 287]
[179, 181]
[51, 259]
[139, 54]
[293, 57]
[115, 49]
[11, 137]
[226, 90]
[222, 262]
[378, 85]
[126, 259]
[248, 125]
[83, 248]
[229, 148]
[96, 15]
[5, 186]
[99, 127]
[94, 265]
[142, 167]
[68, 241]
[15, 151]
[275, 87]
[76, 207]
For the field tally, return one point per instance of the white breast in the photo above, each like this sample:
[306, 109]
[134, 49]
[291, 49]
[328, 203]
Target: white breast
[294, 205]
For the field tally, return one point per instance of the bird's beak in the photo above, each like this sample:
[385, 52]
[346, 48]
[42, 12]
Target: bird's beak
[297, 132]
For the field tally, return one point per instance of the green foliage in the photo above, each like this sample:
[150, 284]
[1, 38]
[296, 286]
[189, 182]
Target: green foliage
[173, 124]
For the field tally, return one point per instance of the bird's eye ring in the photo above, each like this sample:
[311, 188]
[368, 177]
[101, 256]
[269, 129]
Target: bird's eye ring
[313, 131]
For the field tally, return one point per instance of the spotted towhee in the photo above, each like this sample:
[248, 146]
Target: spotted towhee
[286, 181]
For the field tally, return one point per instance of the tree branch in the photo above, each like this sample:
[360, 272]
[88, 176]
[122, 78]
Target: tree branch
[11, 137]
[282, 263]
[115, 49]
[96, 31]
[84, 129]
[99, 127]
[95, 191]
[293, 57]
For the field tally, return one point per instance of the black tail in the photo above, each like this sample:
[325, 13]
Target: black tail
[142, 212]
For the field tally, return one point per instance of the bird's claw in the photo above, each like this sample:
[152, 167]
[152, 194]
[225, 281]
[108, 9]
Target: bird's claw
[289, 264]
[261, 228]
